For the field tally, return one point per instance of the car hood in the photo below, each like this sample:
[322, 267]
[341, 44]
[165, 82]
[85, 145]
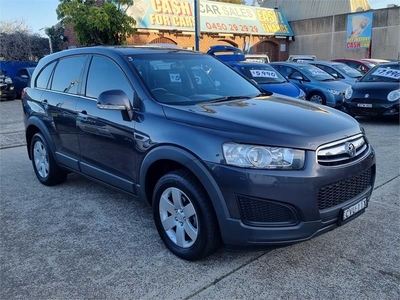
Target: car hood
[334, 85]
[286, 88]
[375, 90]
[271, 120]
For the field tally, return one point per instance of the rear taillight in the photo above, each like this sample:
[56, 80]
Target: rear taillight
[23, 93]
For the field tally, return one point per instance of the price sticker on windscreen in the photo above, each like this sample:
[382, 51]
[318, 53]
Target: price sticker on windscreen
[263, 73]
[318, 72]
[387, 72]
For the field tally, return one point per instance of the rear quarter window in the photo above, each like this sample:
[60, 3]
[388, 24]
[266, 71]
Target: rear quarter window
[42, 80]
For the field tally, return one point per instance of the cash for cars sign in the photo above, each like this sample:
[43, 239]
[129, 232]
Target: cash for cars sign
[359, 30]
[214, 17]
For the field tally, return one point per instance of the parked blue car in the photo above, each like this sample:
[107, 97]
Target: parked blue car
[263, 74]
[338, 70]
[22, 78]
[319, 86]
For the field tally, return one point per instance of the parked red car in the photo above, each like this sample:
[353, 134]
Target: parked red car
[362, 65]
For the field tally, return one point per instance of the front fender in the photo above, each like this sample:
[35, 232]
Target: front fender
[193, 164]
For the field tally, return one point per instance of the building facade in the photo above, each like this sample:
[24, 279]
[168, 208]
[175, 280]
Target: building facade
[253, 29]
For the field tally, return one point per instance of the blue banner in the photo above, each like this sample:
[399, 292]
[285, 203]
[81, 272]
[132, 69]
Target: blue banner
[359, 30]
[215, 17]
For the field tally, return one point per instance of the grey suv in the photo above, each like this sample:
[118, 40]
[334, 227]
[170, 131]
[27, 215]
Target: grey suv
[219, 161]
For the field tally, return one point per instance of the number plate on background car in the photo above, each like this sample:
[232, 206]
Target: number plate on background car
[364, 105]
[352, 210]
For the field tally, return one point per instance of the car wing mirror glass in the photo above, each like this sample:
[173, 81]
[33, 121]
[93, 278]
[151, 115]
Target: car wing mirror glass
[116, 100]
[296, 77]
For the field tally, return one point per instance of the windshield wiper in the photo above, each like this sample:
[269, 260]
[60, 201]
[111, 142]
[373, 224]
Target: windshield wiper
[228, 98]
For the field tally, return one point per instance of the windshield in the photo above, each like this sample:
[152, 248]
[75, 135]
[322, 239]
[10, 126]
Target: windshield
[349, 71]
[262, 74]
[188, 78]
[316, 73]
[388, 73]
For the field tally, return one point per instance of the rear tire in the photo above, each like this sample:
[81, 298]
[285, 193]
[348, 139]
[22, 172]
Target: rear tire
[184, 216]
[44, 165]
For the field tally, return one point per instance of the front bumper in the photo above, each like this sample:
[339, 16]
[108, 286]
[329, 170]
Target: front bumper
[7, 91]
[285, 207]
[371, 108]
[334, 101]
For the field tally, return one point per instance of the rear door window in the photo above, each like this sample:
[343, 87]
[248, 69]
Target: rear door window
[68, 74]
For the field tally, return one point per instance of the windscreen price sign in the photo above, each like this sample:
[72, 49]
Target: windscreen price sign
[387, 72]
[263, 73]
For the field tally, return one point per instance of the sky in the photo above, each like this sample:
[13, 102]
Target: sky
[38, 14]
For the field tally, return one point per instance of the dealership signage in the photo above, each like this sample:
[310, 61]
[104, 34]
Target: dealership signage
[218, 17]
[359, 30]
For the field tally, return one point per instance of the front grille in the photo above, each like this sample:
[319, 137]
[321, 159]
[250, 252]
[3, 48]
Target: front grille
[343, 151]
[263, 212]
[369, 111]
[367, 100]
[343, 191]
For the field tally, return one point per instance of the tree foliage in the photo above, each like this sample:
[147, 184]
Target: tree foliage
[17, 43]
[97, 24]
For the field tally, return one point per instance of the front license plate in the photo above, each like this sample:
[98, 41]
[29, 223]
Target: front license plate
[354, 209]
[364, 105]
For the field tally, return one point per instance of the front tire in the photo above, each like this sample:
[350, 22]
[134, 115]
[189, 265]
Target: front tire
[184, 216]
[44, 165]
[317, 98]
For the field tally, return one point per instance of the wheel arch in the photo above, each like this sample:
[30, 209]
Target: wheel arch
[313, 92]
[164, 159]
[33, 126]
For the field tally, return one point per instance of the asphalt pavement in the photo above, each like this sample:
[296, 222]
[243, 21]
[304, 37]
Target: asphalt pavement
[82, 240]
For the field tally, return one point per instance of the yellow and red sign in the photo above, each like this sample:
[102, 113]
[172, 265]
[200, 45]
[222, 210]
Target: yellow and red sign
[214, 17]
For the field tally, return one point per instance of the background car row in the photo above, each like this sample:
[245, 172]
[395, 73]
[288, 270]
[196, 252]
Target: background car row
[365, 87]
[11, 88]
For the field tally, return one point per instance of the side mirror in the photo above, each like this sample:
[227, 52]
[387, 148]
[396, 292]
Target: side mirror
[115, 100]
[217, 83]
[23, 76]
[335, 75]
[296, 77]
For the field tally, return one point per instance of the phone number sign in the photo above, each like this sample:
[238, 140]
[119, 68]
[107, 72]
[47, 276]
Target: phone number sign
[214, 17]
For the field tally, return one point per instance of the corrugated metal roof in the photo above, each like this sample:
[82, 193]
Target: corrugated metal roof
[306, 9]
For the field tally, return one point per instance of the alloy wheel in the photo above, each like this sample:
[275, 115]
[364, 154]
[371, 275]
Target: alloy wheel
[41, 159]
[178, 217]
[317, 99]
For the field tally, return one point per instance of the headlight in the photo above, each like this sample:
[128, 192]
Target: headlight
[8, 80]
[263, 157]
[348, 93]
[394, 95]
[334, 92]
[302, 95]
